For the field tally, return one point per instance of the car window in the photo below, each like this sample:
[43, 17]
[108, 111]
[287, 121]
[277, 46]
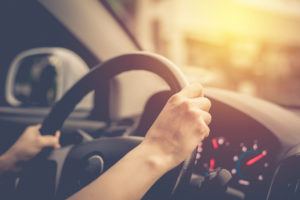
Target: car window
[219, 44]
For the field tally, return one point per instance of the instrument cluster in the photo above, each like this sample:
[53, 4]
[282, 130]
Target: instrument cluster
[250, 162]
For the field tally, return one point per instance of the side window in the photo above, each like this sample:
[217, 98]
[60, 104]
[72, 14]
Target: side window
[39, 77]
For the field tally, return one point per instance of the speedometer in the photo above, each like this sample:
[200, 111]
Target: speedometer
[247, 161]
[250, 163]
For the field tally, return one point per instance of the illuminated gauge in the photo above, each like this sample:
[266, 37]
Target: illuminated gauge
[210, 155]
[251, 163]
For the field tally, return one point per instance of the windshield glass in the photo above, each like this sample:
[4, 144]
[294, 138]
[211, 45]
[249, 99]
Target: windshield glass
[249, 46]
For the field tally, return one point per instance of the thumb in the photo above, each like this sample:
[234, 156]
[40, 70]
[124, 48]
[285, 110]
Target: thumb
[193, 90]
[50, 140]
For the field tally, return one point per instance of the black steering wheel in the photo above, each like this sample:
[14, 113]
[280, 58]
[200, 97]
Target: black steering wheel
[78, 165]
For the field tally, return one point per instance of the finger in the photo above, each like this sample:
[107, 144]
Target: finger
[192, 91]
[201, 102]
[38, 126]
[32, 129]
[206, 117]
[49, 141]
[204, 129]
[57, 134]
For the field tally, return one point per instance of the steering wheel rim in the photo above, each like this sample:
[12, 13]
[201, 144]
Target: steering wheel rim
[109, 69]
[104, 72]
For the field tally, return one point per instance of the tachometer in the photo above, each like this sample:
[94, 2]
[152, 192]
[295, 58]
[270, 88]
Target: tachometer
[247, 161]
[217, 156]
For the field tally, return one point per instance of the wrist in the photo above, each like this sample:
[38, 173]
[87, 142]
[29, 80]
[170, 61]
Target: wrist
[7, 162]
[156, 158]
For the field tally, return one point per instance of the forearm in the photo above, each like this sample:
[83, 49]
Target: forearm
[7, 162]
[133, 175]
[180, 126]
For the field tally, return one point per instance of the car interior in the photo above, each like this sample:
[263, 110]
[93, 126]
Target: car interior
[74, 66]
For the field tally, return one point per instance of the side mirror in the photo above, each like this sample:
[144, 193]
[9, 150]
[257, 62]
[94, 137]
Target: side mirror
[40, 76]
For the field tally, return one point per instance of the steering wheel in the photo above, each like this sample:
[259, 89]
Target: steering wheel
[98, 155]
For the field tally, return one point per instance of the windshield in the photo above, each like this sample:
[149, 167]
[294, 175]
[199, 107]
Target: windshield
[249, 46]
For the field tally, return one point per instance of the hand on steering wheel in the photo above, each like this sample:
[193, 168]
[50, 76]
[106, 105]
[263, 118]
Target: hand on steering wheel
[168, 135]
[181, 125]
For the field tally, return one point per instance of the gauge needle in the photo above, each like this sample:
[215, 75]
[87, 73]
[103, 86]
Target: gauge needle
[214, 143]
[212, 164]
[256, 158]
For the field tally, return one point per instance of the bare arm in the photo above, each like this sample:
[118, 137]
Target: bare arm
[181, 125]
[30, 143]
[130, 178]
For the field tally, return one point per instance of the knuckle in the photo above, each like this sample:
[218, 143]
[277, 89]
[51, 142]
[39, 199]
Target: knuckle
[207, 101]
[203, 129]
[175, 98]
[185, 105]
[197, 85]
[207, 131]
[209, 119]
[39, 140]
[31, 129]
[194, 113]
[28, 129]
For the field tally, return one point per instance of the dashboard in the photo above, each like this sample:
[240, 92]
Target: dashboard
[241, 145]
[249, 138]
[249, 144]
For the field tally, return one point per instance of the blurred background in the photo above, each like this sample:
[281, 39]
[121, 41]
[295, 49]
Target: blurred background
[249, 46]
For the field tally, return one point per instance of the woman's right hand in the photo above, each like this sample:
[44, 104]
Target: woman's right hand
[180, 127]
